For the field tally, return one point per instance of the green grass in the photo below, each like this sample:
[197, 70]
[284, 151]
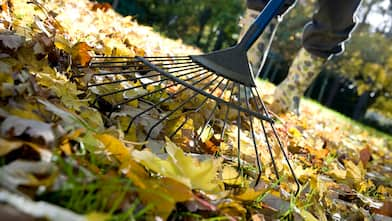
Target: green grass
[84, 193]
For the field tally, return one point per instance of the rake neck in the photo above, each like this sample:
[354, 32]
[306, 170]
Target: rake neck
[258, 26]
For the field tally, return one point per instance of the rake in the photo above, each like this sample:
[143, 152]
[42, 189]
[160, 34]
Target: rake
[221, 85]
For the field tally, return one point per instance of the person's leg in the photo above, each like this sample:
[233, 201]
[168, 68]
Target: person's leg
[323, 37]
[331, 25]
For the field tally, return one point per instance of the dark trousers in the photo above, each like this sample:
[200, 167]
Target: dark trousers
[331, 25]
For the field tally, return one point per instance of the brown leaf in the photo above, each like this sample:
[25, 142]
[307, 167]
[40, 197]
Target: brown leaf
[102, 6]
[365, 155]
[80, 53]
[385, 210]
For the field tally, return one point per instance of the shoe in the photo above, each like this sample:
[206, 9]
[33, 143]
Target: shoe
[302, 72]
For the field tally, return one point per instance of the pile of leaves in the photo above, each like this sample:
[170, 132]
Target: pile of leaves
[60, 161]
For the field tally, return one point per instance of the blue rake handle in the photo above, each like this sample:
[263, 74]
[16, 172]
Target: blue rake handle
[260, 23]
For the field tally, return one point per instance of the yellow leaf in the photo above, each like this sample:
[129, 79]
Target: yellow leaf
[248, 195]
[185, 169]
[175, 189]
[115, 147]
[304, 174]
[114, 47]
[119, 151]
[232, 208]
[294, 132]
[63, 44]
[231, 176]
[337, 173]
[8, 146]
[92, 117]
[206, 134]
[80, 53]
[95, 216]
[307, 216]
[355, 173]
[203, 175]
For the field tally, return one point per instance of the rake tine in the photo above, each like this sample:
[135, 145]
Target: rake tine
[178, 128]
[113, 73]
[150, 93]
[204, 93]
[176, 109]
[212, 112]
[269, 147]
[111, 64]
[123, 80]
[280, 146]
[254, 140]
[157, 90]
[185, 68]
[125, 89]
[162, 101]
[178, 64]
[239, 130]
[139, 86]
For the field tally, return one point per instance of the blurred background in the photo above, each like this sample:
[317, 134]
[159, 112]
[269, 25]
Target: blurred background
[357, 83]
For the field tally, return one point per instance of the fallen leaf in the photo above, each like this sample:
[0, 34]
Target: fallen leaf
[249, 194]
[185, 169]
[365, 155]
[14, 127]
[80, 53]
[385, 209]
[307, 216]
[39, 210]
[101, 6]
[11, 41]
[27, 173]
[8, 146]
[231, 176]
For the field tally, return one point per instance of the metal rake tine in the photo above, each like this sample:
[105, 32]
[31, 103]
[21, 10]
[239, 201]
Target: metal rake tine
[239, 130]
[150, 93]
[125, 89]
[162, 101]
[204, 93]
[178, 65]
[110, 64]
[123, 80]
[113, 73]
[269, 147]
[187, 67]
[281, 146]
[158, 90]
[178, 128]
[227, 112]
[212, 112]
[176, 109]
[131, 88]
[196, 109]
[254, 139]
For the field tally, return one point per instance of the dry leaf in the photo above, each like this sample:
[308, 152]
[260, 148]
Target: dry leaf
[10, 41]
[80, 53]
[14, 127]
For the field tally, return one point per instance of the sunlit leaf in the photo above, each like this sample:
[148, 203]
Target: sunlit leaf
[80, 53]
[185, 169]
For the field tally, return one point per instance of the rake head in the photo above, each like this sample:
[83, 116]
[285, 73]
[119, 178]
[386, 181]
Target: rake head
[177, 97]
